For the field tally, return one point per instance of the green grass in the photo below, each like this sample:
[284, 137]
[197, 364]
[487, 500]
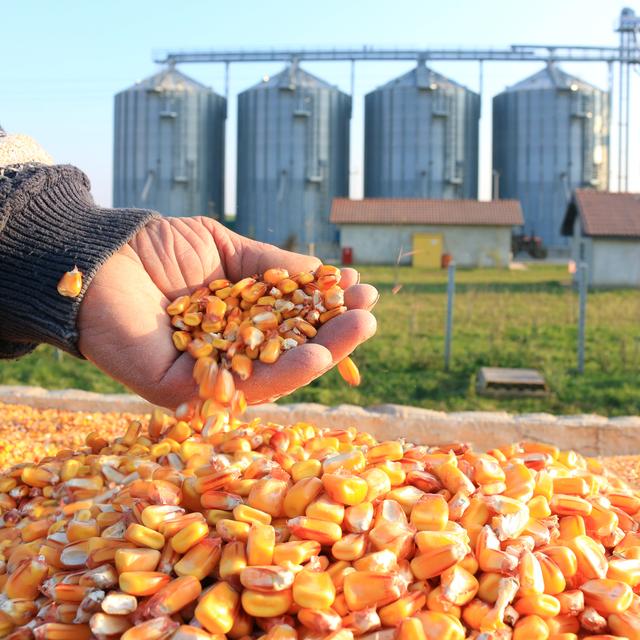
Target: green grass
[501, 318]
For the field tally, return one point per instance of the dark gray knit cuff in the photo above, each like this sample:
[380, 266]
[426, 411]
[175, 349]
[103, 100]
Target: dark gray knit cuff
[49, 224]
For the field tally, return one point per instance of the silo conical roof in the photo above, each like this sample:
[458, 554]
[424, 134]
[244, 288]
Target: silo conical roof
[422, 77]
[290, 77]
[552, 77]
[169, 79]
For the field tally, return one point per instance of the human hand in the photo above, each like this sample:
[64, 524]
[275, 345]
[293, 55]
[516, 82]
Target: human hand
[125, 330]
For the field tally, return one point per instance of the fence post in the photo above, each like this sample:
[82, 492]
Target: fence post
[451, 290]
[583, 281]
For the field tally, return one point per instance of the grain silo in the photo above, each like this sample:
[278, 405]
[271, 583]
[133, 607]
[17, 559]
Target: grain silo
[293, 159]
[169, 146]
[421, 138]
[550, 136]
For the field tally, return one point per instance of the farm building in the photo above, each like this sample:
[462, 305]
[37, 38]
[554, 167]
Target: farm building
[421, 231]
[605, 233]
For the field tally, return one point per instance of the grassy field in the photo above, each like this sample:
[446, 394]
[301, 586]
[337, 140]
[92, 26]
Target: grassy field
[501, 318]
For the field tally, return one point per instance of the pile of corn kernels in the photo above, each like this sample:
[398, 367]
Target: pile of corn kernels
[206, 527]
[28, 434]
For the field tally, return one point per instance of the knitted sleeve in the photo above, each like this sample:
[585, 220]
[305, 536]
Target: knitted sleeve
[49, 224]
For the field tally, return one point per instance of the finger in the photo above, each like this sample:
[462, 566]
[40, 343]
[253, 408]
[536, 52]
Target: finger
[361, 296]
[247, 257]
[345, 332]
[176, 386]
[348, 277]
[295, 368]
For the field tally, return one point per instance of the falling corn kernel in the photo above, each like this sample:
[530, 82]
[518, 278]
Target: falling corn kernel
[70, 285]
[349, 372]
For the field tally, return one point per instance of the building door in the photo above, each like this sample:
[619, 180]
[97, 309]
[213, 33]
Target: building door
[427, 250]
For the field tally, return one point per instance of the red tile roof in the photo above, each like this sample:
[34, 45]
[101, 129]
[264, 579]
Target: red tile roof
[423, 211]
[613, 215]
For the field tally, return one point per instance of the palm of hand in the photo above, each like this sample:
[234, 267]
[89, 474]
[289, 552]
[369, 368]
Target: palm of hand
[126, 332]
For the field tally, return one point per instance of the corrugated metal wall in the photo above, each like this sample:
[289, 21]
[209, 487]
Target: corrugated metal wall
[169, 146]
[293, 159]
[421, 138]
[550, 136]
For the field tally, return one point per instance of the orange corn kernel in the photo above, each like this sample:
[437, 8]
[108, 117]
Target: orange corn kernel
[70, 284]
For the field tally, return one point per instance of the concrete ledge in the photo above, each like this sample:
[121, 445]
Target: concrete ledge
[588, 434]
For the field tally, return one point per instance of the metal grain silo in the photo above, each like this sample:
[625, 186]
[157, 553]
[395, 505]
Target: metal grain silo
[293, 159]
[550, 136]
[421, 138]
[169, 146]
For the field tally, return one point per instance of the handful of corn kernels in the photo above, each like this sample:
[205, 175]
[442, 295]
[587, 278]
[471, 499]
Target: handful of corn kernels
[227, 326]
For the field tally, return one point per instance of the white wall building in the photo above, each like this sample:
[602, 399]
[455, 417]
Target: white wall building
[473, 233]
[605, 233]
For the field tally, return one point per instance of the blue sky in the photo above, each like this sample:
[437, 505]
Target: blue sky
[63, 61]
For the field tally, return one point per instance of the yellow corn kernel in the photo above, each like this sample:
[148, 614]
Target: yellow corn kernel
[531, 628]
[411, 629]
[407, 497]
[131, 559]
[378, 482]
[313, 590]
[569, 505]
[321, 621]
[200, 560]
[295, 552]
[300, 496]
[540, 604]
[350, 547]
[142, 583]
[458, 585]
[321, 531]
[394, 472]
[260, 544]
[173, 597]
[306, 469]
[440, 626]
[539, 507]
[230, 530]
[346, 489]
[435, 602]
[245, 513]
[324, 508]
[190, 536]
[590, 557]
[363, 589]
[217, 608]
[430, 513]
[267, 579]
[267, 495]
[233, 560]
[625, 624]
[433, 563]
[393, 614]
[144, 536]
[266, 605]
[26, 579]
[62, 631]
[607, 596]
